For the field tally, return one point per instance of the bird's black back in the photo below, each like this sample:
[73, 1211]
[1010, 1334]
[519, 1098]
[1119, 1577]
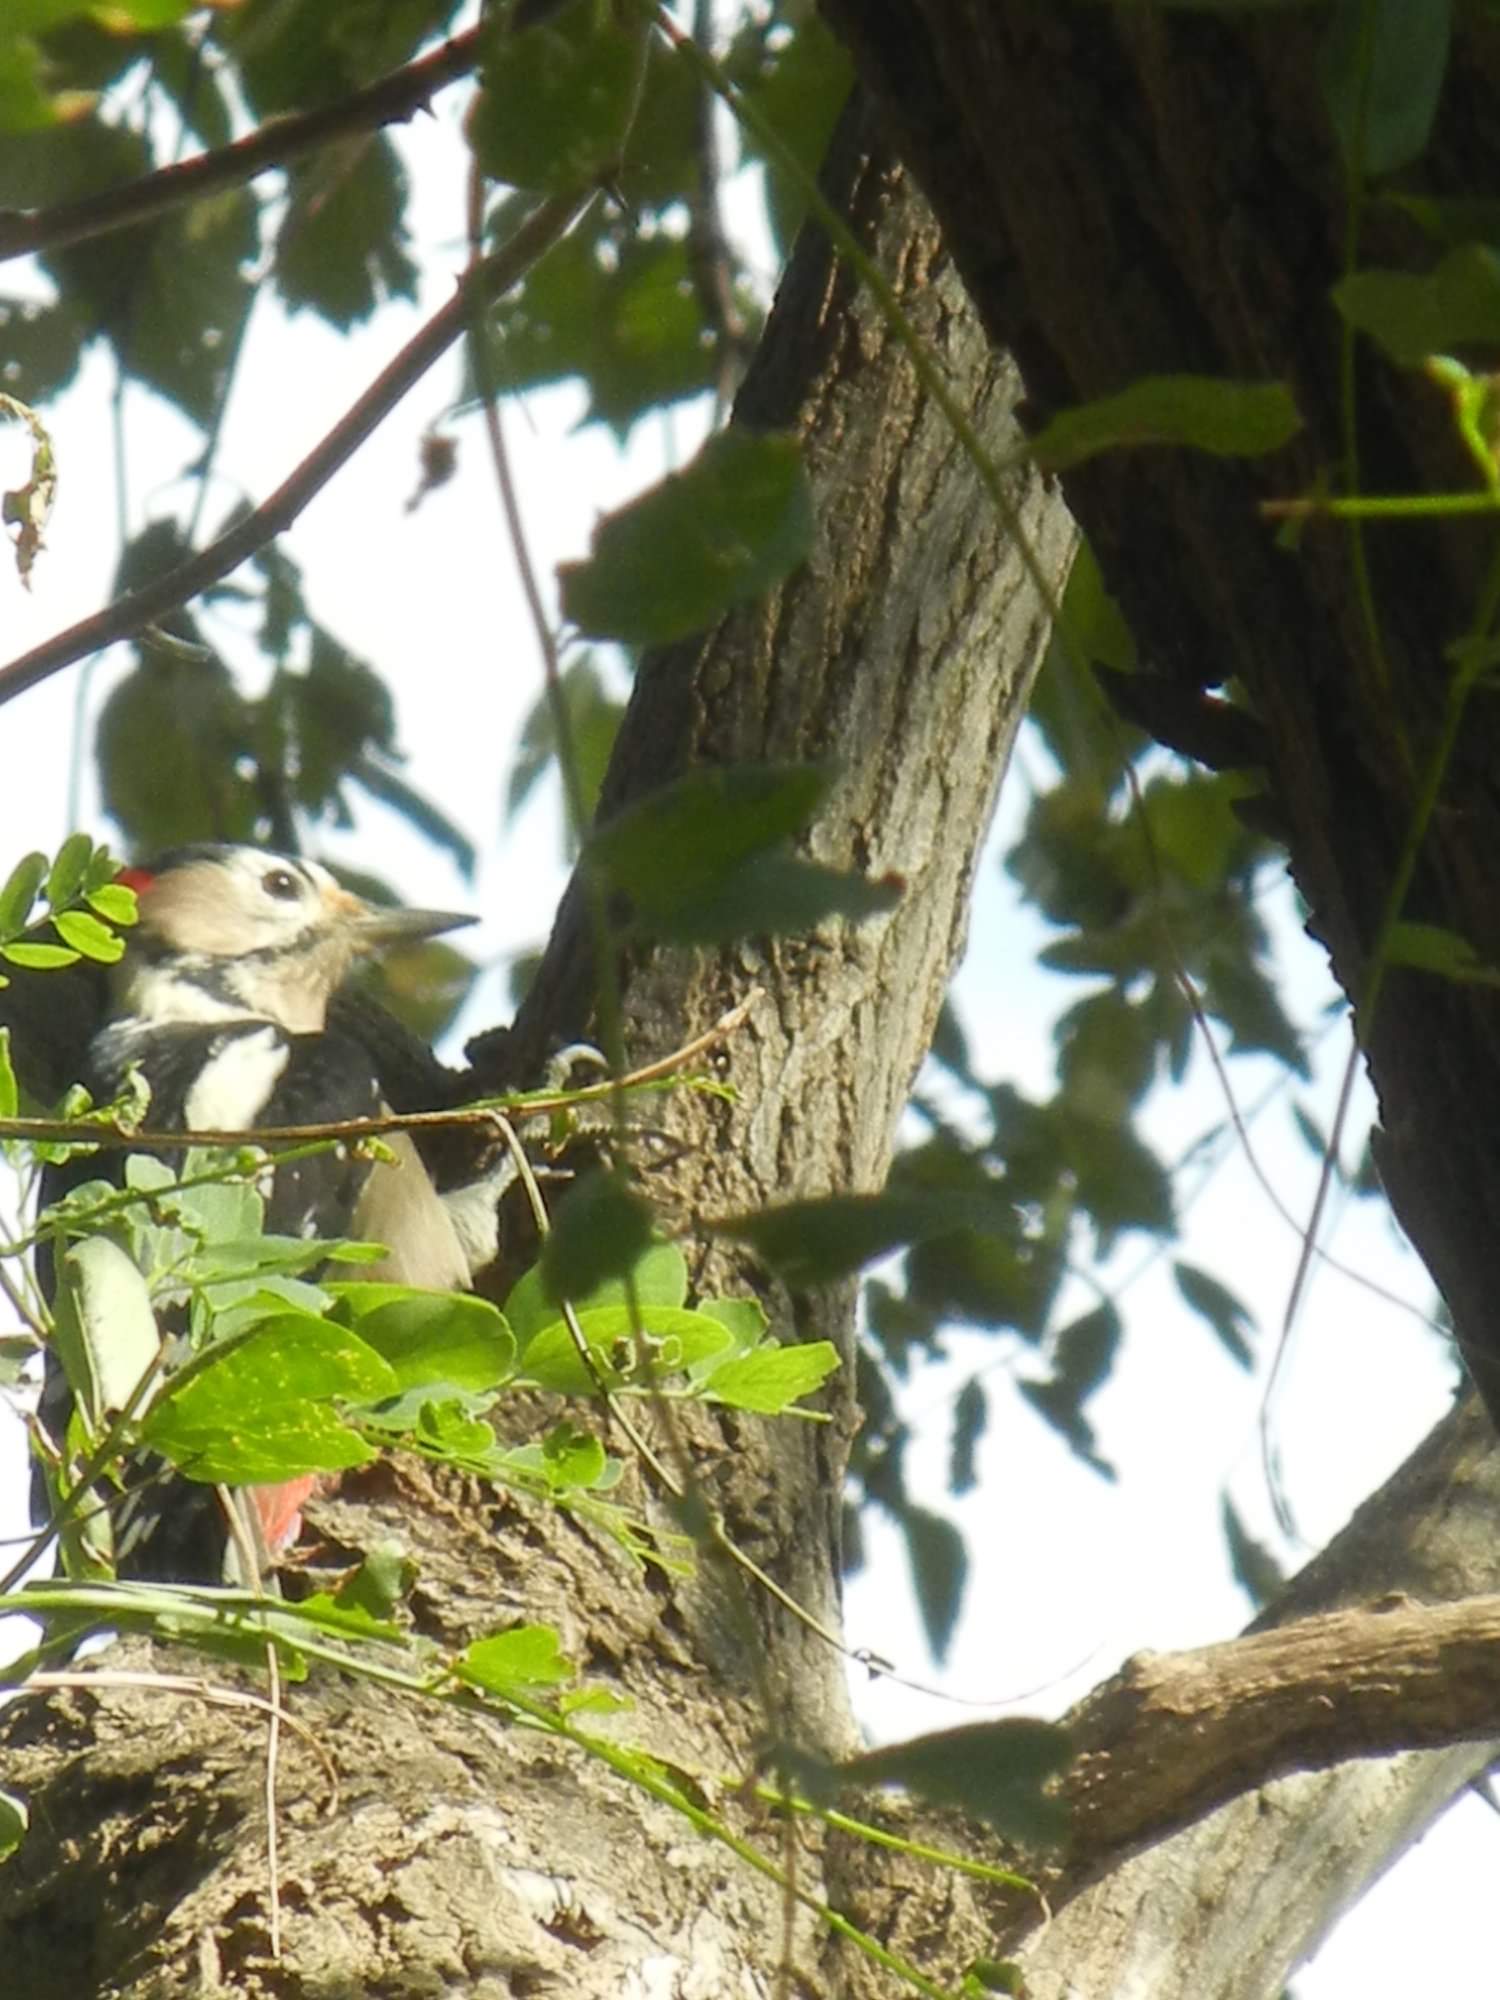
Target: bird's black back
[167, 1528]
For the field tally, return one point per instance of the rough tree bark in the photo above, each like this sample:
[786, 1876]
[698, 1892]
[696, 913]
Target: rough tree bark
[1130, 192]
[458, 1857]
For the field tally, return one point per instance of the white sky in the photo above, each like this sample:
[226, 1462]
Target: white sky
[1070, 1574]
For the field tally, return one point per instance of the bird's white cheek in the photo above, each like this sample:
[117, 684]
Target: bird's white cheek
[234, 1084]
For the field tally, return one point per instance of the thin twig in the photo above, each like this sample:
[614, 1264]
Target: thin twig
[239, 1516]
[130, 614]
[111, 1137]
[273, 1760]
[390, 99]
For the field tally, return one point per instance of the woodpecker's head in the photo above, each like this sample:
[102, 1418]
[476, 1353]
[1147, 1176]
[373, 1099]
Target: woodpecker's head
[230, 931]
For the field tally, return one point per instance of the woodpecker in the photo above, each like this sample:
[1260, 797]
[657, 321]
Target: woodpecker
[221, 1003]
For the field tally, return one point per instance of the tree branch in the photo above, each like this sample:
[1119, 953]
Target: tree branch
[132, 613]
[1173, 1735]
[24, 232]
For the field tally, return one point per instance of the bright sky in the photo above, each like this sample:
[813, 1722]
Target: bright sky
[430, 600]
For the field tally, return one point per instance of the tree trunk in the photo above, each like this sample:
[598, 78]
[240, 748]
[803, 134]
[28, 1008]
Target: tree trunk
[455, 1855]
[1103, 182]
[1135, 192]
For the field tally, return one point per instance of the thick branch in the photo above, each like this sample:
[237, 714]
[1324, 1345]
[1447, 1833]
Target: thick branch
[25, 232]
[132, 613]
[1173, 1735]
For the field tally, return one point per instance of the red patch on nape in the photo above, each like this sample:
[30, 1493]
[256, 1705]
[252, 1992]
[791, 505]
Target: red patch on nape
[138, 879]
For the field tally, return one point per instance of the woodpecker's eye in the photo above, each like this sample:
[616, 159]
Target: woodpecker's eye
[282, 884]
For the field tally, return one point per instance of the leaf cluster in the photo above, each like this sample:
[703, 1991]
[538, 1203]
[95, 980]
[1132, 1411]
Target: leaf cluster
[84, 905]
[277, 1368]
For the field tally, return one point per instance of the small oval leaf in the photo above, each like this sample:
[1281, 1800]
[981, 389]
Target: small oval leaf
[88, 937]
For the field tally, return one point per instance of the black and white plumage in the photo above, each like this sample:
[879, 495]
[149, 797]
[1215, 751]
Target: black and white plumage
[221, 1004]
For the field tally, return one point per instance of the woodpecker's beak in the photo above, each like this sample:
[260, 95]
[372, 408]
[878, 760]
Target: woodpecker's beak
[377, 929]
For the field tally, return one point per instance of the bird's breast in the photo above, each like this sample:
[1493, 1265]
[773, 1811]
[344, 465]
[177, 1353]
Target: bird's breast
[237, 1080]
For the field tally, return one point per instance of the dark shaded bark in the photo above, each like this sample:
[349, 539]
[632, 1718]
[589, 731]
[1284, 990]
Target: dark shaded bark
[1130, 193]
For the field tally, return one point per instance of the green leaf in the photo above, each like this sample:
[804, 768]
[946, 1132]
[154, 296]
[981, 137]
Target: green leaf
[10, 1096]
[939, 1569]
[570, 1459]
[672, 1337]
[657, 1278]
[1452, 221]
[42, 344]
[88, 937]
[1006, 1975]
[341, 249]
[1382, 65]
[1084, 1351]
[1230, 1319]
[1229, 419]
[699, 858]
[555, 101]
[25, 105]
[971, 1419]
[994, 1770]
[169, 294]
[775, 894]
[343, 1617]
[528, 1660]
[735, 522]
[593, 723]
[105, 1331]
[600, 1231]
[451, 1432]
[772, 1378]
[260, 1410]
[1107, 1051]
[66, 875]
[14, 1820]
[39, 957]
[817, 1241]
[682, 842]
[22, 887]
[1255, 1568]
[142, 15]
[1430, 948]
[430, 1337]
[1415, 314]
[745, 1319]
[382, 1582]
[1121, 1182]
[114, 902]
[800, 84]
[1310, 1131]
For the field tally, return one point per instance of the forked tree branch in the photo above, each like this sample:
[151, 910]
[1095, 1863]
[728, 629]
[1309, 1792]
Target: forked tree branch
[130, 614]
[24, 232]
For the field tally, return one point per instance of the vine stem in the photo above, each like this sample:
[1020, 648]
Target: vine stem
[239, 1611]
[521, 1104]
